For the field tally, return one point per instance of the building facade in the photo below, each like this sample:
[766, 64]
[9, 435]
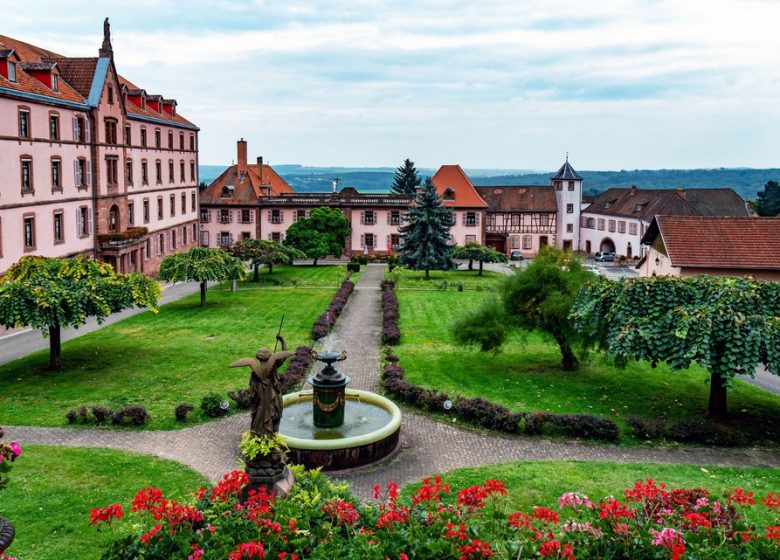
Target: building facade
[90, 163]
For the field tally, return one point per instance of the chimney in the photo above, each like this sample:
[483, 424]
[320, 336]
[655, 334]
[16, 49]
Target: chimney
[681, 193]
[633, 190]
[260, 168]
[242, 156]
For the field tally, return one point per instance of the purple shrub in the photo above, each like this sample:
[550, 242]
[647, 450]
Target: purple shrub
[325, 322]
[391, 334]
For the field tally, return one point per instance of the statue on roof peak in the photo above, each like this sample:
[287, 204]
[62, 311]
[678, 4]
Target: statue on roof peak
[105, 49]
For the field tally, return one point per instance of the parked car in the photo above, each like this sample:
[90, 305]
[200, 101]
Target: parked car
[516, 256]
[604, 256]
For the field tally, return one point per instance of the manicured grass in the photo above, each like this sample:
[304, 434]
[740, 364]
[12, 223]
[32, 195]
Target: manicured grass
[300, 275]
[159, 361]
[540, 483]
[415, 279]
[527, 375]
[53, 489]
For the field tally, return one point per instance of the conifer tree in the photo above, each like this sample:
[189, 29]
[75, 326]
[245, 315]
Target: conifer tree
[425, 237]
[406, 179]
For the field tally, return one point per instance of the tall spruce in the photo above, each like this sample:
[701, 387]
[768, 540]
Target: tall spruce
[425, 237]
[406, 179]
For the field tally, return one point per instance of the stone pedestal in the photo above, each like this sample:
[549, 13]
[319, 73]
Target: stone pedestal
[279, 486]
[329, 387]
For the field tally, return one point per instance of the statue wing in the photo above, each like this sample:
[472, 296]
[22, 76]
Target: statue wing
[250, 362]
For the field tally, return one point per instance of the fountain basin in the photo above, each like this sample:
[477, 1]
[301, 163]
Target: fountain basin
[370, 431]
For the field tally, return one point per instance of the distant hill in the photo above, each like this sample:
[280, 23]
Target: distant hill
[745, 181]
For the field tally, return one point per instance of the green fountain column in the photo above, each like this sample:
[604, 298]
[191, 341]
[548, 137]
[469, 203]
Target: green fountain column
[329, 391]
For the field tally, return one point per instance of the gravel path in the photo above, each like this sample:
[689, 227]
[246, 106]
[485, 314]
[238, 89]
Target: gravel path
[427, 446]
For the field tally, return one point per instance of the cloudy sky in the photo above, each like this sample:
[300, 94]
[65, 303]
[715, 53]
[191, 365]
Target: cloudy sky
[619, 84]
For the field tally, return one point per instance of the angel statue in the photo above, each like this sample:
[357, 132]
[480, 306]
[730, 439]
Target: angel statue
[265, 390]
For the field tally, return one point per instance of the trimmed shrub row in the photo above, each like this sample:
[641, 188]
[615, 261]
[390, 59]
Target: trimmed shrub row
[325, 322]
[391, 334]
[133, 415]
[297, 368]
[686, 431]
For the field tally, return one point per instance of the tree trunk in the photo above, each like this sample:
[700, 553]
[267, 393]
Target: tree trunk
[568, 360]
[315, 261]
[471, 264]
[203, 294]
[480, 268]
[257, 273]
[427, 274]
[55, 347]
[717, 406]
[270, 267]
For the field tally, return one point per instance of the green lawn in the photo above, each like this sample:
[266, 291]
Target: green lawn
[300, 275]
[526, 375]
[159, 361]
[53, 489]
[415, 279]
[540, 483]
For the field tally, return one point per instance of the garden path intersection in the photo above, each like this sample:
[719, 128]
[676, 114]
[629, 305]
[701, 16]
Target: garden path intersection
[427, 446]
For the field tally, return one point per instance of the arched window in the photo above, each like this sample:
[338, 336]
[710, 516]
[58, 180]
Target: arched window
[514, 242]
[629, 253]
[527, 242]
[449, 194]
[113, 218]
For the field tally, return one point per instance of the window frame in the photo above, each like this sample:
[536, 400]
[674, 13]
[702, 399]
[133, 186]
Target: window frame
[33, 241]
[61, 238]
[24, 116]
[26, 161]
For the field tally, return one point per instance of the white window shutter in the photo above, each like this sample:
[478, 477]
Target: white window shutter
[79, 224]
[362, 217]
[87, 131]
[281, 237]
[89, 174]
[476, 217]
[251, 216]
[362, 240]
[270, 215]
[89, 220]
[75, 129]
[464, 218]
[76, 172]
[281, 216]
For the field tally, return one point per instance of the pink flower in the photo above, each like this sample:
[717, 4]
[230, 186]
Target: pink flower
[700, 503]
[15, 448]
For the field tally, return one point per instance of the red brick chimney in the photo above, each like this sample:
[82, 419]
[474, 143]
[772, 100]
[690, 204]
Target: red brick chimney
[242, 156]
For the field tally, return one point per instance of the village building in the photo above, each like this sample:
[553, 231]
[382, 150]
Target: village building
[617, 219]
[90, 163]
[716, 245]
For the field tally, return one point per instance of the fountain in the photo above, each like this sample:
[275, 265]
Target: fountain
[334, 427]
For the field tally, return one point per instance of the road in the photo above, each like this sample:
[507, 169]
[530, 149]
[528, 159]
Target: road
[19, 344]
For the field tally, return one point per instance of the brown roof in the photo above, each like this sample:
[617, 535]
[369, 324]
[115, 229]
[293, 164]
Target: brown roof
[247, 191]
[78, 72]
[453, 177]
[719, 242]
[648, 203]
[519, 198]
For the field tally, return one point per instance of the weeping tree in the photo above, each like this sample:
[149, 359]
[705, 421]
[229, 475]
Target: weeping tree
[538, 298]
[726, 325]
[426, 235]
[51, 294]
[472, 251]
[203, 265]
[406, 179]
[261, 251]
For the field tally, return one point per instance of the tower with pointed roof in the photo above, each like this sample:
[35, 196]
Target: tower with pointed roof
[568, 195]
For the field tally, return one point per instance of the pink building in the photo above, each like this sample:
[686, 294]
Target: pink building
[102, 167]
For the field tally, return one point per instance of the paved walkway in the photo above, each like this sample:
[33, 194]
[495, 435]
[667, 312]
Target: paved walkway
[427, 446]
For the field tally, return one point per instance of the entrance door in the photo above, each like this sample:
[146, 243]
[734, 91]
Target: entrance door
[543, 241]
[587, 247]
[498, 242]
[567, 244]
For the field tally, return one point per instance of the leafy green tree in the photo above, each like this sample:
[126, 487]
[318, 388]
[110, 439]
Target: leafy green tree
[50, 294]
[727, 325]
[321, 234]
[768, 200]
[426, 235]
[203, 265]
[261, 251]
[406, 179]
[538, 298]
[475, 252]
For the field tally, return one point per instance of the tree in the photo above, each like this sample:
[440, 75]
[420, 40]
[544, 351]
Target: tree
[475, 252]
[727, 325]
[425, 238]
[406, 180]
[321, 234]
[202, 265]
[50, 294]
[260, 251]
[538, 298]
[768, 200]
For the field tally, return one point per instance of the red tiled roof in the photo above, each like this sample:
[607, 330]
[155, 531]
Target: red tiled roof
[78, 72]
[149, 112]
[519, 198]
[453, 177]
[245, 192]
[719, 242]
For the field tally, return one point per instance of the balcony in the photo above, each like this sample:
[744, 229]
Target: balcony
[126, 238]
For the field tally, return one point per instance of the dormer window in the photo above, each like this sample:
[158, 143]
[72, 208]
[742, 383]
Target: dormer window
[11, 71]
[638, 208]
[449, 194]
[55, 82]
[227, 191]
